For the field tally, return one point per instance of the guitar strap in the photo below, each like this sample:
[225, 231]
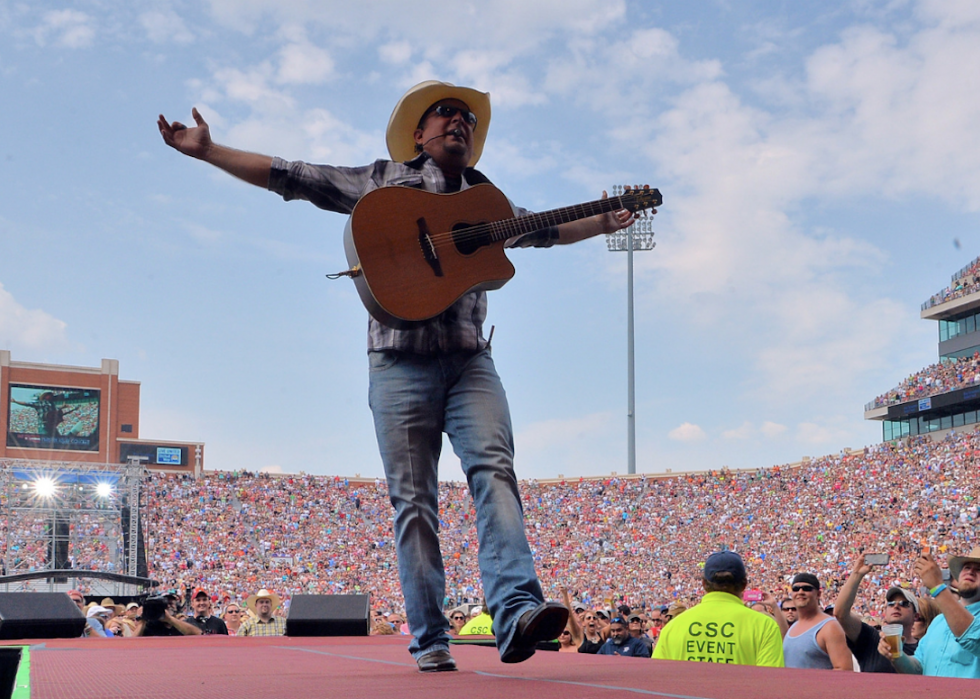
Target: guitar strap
[474, 176]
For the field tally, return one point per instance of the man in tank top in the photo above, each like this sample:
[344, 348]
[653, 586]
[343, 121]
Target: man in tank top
[816, 640]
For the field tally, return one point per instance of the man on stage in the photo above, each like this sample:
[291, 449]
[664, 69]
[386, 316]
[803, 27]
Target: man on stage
[435, 377]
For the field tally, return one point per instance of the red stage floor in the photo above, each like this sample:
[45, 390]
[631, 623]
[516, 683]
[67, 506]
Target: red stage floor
[215, 667]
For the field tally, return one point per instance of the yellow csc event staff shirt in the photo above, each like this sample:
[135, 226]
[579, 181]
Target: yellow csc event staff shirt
[481, 625]
[722, 630]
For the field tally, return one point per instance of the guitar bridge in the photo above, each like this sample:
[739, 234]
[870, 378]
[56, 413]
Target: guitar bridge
[428, 247]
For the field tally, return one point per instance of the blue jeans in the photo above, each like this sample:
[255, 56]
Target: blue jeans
[414, 399]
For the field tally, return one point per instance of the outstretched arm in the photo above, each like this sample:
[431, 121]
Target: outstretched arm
[845, 599]
[196, 142]
[595, 225]
[575, 626]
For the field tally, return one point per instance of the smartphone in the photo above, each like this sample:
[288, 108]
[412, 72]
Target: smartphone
[752, 596]
[876, 559]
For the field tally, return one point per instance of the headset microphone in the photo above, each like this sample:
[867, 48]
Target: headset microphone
[455, 132]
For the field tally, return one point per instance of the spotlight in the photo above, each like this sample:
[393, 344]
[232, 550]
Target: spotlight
[44, 487]
[103, 490]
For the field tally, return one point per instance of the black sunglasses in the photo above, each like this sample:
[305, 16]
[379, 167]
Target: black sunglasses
[904, 603]
[448, 112]
[789, 609]
[803, 588]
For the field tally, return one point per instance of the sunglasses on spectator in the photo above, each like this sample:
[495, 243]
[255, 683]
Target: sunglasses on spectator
[448, 112]
[233, 611]
[457, 617]
[789, 609]
[566, 632]
[904, 603]
[803, 588]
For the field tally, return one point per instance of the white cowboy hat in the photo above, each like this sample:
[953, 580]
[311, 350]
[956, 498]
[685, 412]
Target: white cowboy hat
[263, 594]
[956, 562]
[400, 136]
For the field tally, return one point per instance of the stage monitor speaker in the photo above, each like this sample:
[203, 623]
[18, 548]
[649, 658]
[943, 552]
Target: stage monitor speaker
[328, 615]
[9, 665]
[39, 615]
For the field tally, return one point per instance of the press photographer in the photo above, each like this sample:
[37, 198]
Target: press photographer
[159, 618]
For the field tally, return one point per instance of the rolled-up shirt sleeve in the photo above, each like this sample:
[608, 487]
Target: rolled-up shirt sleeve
[970, 639]
[325, 186]
[541, 238]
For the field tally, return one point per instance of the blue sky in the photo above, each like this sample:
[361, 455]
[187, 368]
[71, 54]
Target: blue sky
[820, 168]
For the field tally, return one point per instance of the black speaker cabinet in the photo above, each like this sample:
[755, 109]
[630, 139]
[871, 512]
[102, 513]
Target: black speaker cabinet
[39, 615]
[328, 615]
[9, 664]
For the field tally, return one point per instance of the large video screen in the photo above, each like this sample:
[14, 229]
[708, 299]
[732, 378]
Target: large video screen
[44, 417]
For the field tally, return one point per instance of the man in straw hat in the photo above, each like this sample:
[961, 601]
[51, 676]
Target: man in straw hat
[435, 377]
[262, 604]
[951, 646]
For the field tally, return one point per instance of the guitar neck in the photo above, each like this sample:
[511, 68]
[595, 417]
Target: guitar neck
[513, 227]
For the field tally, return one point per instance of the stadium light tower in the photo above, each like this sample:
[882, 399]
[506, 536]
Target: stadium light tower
[638, 237]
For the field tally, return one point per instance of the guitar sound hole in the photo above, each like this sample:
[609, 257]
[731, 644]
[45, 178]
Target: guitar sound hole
[466, 241]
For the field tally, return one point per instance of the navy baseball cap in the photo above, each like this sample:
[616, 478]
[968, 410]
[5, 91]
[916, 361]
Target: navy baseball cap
[725, 562]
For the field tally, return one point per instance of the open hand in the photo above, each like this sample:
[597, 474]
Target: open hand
[195, 141]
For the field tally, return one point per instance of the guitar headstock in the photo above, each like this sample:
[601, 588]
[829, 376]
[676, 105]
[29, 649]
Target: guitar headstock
[637, 199]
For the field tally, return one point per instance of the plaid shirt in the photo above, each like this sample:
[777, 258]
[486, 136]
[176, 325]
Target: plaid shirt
[459, 327]
[276, 626]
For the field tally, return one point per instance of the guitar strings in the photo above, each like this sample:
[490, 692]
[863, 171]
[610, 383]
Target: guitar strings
[500, 230]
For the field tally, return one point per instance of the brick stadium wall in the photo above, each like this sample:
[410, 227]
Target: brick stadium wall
[119, 407]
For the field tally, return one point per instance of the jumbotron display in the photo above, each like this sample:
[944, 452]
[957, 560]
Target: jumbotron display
[46, 417]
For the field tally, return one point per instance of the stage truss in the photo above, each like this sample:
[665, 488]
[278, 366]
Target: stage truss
[59, 515]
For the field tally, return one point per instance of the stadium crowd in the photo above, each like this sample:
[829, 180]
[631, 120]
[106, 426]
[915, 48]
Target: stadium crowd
[610, 541]
[935, 379]
[966, 282]
[618, 546]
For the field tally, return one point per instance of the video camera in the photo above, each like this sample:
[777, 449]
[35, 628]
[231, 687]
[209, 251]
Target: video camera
[154, 607]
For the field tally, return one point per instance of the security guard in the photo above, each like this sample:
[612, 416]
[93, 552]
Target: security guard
[721, 629]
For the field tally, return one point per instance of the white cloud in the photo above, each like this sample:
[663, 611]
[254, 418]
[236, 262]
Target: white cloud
[548, 434]
[252, 87]
[272, 468]
[164, 26]
[687, 432]
[395, 52]
[747, 430]
[812, 433]
[27, 330]
[203, 234]
[899, 115]
[772, 429]
[302, 63]
[68, 28]
[743, 431]
[519, 24]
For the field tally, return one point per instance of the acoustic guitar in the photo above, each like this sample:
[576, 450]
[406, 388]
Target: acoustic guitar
[413, 254]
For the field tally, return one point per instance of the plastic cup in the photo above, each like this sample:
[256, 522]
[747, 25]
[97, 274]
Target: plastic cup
[892, 633]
